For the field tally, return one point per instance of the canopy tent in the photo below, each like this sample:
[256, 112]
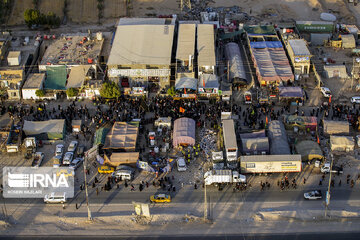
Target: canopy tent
[122, 136]
[348, 41]
[309, 150]
[342, 143]
[51, 129]
[184, 132]
[77, 76]
[100, 135]
[208, 81]
[117, 159]
[291, 92]
[186, 82]
[278, 140]
[336, 127]
[255, 145]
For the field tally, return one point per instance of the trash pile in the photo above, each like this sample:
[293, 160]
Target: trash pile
[208, 142]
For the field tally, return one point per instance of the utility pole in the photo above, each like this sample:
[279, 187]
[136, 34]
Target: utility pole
[86, 191]
[205, 205]
[327, 197]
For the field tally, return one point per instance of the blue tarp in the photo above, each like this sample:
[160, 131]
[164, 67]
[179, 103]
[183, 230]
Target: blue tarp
[266, 44]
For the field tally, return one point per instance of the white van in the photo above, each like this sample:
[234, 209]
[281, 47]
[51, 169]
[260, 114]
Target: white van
[123, 174]
[355, 100]
[55, 198]
[181, 165]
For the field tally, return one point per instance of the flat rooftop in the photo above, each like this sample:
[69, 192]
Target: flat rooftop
[142, 41]
[186, 41]
[34, 80]
[73, 49]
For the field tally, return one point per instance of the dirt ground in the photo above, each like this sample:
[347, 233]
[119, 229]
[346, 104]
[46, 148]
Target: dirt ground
[85, 11]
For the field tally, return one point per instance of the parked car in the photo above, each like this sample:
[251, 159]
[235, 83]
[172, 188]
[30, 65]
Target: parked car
[68, 158]
[55, 198]
[56, 160]
[325, 92]
[123, 174]
[76, 163]
[313, 195]
[38, 158]
[355, 100]
[106, 169]
[59, 150]
[181, 165]
[160, 198]
[72, 146]
[335, 169]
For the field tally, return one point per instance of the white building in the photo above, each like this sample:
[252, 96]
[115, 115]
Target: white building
[35, 81]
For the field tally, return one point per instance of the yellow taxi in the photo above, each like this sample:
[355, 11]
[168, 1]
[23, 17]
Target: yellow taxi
[160, 198]
[106, 169]
[67, 173]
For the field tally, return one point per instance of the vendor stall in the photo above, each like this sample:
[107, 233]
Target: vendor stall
[336, 127]
[184, 132]
[185, 87]
[208, 86]
[300, 122]
[309, 150]
[291, 95]
[342, 143]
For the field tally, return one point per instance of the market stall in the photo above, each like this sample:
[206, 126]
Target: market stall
[336, 127]
[309, 150]
[342, 143]
[293, 95]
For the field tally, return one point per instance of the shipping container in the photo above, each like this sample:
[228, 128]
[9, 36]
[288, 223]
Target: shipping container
[315, 26]
[270, 163]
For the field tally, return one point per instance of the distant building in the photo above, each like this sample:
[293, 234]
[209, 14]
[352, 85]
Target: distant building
[18, 56]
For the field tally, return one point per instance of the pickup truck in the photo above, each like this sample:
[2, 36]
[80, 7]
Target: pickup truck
[335, 169]
[38, 158]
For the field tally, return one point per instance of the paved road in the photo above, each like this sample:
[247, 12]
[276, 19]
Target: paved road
[193, 196]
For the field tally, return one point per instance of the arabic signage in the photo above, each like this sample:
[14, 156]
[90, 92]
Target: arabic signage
[139, 72]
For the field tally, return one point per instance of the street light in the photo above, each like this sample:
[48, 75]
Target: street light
[327, 199]
[86, 190]
[205, 204]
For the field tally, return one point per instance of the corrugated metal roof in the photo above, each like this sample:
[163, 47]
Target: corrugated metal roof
[270, 158]
[145, 41]
[208, 81]
[299, 47]
[206, 45]
[186, 41]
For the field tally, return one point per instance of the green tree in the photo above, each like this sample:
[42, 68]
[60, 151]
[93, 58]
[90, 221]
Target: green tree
[171, 91]
[110, 90]
[72, 92]
[40, 93]
[32, 16]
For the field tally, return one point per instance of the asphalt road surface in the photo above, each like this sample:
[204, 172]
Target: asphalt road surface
[192, 196]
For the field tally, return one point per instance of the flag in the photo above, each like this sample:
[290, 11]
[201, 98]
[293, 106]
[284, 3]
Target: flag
[184, 90]
[266, 120]
[182, 110]
[318, 140]
[330, 99]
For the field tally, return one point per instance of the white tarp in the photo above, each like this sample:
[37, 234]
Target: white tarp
[342, 143]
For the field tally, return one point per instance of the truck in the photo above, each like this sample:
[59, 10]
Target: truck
[335, 169]
[270, 163]
[219, 177]
[217, 160]
[230, 143]
[30, 146]
[37, 160]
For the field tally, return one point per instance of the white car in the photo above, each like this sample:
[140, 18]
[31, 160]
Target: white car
[358, 140]
[72, 146]
[326, 92]
[355, 100]
[68, 158]
[55, 198]
[76, 163]
[181, 164]
[59, 150]
[313, 195]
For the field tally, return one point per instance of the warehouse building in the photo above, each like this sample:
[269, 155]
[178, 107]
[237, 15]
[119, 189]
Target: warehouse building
[141, 52]
[206, 49]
